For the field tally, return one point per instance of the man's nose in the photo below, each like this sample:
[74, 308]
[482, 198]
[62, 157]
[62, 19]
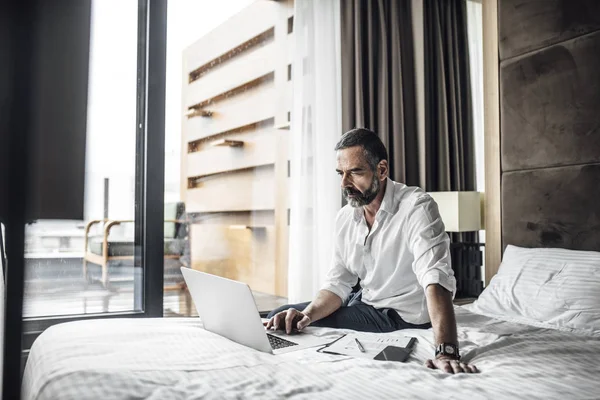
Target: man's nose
[345, 181]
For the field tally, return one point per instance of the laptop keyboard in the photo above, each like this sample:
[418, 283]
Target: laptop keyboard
[279, 343]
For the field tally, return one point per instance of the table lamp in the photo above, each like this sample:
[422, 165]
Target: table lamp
[463, 212]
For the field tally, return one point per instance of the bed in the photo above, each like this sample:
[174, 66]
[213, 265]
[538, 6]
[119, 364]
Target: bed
[177, 359]
[534, 333]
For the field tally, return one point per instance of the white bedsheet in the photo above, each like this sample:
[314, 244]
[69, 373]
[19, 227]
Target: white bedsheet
[177, 359]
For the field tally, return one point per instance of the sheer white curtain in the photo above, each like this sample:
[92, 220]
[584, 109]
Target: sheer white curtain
[475, 38]
[315, 129]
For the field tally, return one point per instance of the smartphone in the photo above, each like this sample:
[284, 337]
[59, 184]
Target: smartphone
[393, 353]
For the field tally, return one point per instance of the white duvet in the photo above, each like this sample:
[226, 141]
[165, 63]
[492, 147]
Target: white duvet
[177, 359]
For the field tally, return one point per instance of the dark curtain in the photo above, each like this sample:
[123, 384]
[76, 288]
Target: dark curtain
[449, 140]
[378, 88]
[378, 92]
[450, 156]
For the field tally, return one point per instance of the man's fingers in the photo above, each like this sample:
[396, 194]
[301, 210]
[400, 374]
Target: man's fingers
[451, 367]
[473, 369]
[277, 320]
[273, 321]
[303, 323]
[289, 320]
[447, 367]
[456, 367]
[465, 368]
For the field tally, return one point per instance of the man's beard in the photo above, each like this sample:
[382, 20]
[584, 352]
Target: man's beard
[362, 199]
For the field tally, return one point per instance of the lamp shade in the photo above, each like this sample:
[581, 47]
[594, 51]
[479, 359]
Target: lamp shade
[460, 211]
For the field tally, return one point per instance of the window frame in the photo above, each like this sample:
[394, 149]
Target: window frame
[19, 334]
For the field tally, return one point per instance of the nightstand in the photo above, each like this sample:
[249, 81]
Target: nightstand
[464, 301]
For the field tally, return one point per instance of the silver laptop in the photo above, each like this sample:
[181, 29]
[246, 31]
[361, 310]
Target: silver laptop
[227, 308]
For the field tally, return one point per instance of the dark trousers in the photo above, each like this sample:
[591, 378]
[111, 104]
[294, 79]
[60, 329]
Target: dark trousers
[359, 316]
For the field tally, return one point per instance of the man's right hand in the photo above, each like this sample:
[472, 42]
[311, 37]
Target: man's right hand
[290, 319]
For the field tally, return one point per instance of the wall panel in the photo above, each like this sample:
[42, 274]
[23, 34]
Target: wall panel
[550, 129]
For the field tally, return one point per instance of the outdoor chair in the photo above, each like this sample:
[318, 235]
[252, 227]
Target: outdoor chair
[114, 253]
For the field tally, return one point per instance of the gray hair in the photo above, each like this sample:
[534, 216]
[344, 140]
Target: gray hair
[373, 147]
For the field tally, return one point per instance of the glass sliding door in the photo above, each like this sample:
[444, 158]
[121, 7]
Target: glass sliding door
[229, 92]
[110, 262]
[98, 265]
[68, 271]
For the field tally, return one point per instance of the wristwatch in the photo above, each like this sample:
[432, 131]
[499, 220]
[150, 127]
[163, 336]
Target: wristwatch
[448, 350]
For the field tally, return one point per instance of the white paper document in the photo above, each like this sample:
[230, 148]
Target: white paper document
[372, 345]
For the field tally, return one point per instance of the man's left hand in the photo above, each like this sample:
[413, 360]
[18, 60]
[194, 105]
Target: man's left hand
[450, 365]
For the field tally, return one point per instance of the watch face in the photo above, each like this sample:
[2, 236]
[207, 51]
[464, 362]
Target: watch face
[449, 349]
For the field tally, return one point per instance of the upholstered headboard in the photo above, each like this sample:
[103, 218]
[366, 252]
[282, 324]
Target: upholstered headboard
[550, 123]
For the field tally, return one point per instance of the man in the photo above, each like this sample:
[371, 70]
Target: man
[390, 236]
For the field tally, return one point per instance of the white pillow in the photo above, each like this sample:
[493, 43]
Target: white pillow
[554, 288]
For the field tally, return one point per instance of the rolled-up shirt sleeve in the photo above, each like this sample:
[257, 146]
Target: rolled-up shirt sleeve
[430, 245]
[339, 279]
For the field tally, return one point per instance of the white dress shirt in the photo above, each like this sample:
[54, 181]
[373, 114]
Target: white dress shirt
[406, 250]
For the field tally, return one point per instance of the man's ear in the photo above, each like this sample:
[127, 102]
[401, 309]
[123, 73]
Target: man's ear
[383, 170]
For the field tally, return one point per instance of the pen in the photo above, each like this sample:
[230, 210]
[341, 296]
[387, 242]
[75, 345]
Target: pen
[360, 346]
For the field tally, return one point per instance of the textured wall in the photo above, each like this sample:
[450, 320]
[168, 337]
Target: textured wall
[526, 25]
[550, 123]
[552, 207]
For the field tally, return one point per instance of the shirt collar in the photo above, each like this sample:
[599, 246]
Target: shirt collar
[387, 204]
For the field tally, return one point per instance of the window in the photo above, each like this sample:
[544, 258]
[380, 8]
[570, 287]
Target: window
[228, 94]
[109, 264]
[66, 272]
[48, 254]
